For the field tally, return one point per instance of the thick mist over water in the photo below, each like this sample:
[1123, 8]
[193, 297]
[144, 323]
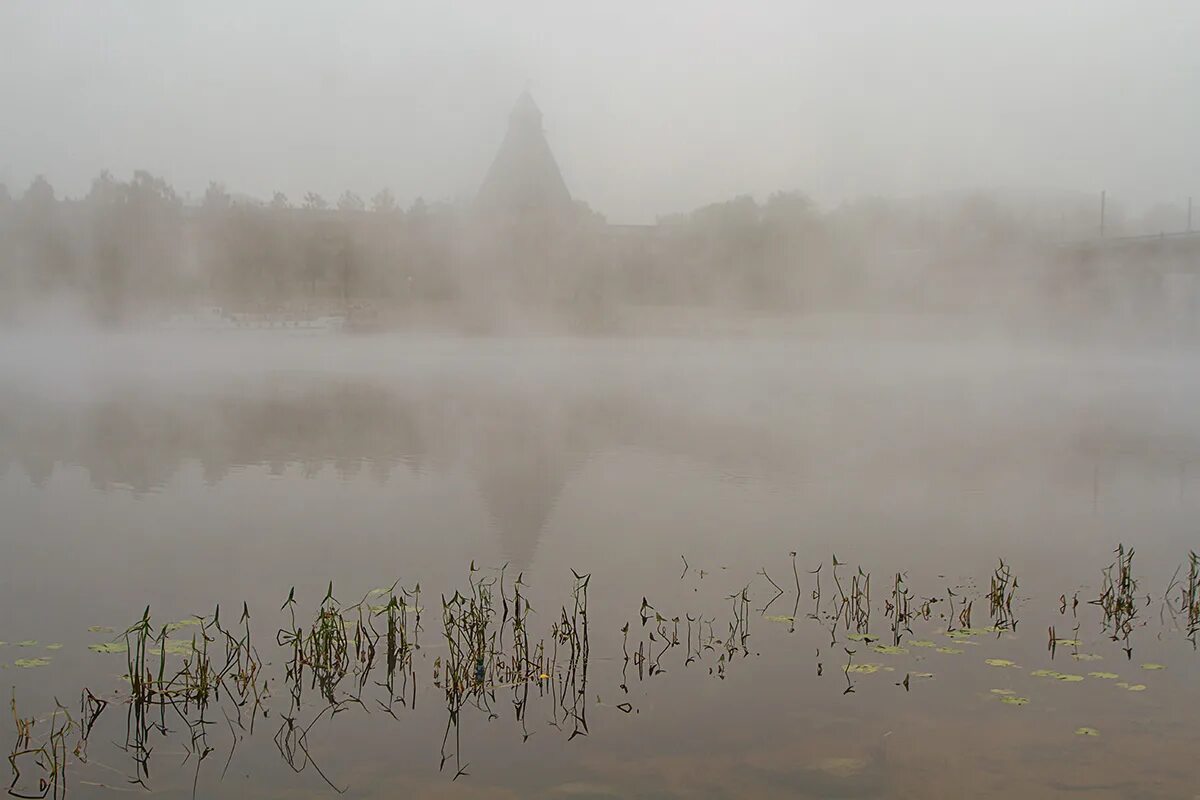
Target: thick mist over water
[762, 402]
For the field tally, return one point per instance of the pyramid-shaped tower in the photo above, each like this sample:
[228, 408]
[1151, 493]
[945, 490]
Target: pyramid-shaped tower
[524, 176]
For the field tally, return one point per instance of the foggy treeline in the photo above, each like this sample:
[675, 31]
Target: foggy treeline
[134, 250]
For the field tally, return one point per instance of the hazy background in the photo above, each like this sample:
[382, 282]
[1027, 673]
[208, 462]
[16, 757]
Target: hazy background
[651, 108]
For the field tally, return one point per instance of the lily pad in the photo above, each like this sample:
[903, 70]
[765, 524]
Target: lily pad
[1045, 673]
[30, 663]
[1067, 642]
[109, 647]
[1000, 662]
[921, 643]
[863, 669]
[922, 674]
[27, 643]
[174, 647]
[782, 619]
[1108, 676]
[55, 646]
[863, 637]
[1086, 657]
[961, 632]
[1069, 678]
[1136, 687]
[950, 651]
[1086, 732]
[174, 626]
[1153, 666]
[889, 650]
[1014, 701]
[1004, 692]
[101, 629]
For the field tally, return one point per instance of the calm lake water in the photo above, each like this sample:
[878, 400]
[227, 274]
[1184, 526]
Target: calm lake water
[678, 474]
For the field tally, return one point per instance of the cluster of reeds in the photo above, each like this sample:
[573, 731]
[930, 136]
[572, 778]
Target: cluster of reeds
[898, 608]
[853, 608]
[46, 757]
[1001, 593]
[1118, 598]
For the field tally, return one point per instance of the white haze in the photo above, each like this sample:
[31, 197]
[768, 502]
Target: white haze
[652, 108]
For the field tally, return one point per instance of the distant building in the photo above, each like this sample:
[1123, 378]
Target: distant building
[524, 177]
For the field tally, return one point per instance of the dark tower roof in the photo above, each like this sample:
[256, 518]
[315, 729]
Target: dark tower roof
[524, 175]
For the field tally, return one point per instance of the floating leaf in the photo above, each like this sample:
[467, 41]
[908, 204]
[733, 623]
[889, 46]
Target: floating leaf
[1014, 701]
[922, 643]
[782, 619]
[889, 650]
[1086, 732]
[863, 637]
[1069, 678]
[922, 674]
[842, 767]
[1067, 642]
[950, 651]
[1136, 687]
[174, 647]
[1002, 691]
[961, 632]
[1086, 657]
[1153, 666]
[174, 626]
[1108, 676]
[101, 629]
[27, 643]
[30, 663]
[55, 646]
[863, 669]
[1045, 673]
[109, 647]
[1000, 662]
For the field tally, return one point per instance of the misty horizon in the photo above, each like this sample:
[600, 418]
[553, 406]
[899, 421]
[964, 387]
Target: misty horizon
[645, 114]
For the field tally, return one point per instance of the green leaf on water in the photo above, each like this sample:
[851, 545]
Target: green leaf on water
[109, 647]
[863, 669]
[889, 650]
[30, 663]
[1014, 701]
[922, 674]
[963, 632]
[1086, 657]
[1002, 691]
[175, 647]
[27, 643]
[1153, 666]
[1086, 732]
[782, 619]
[922, 643]
[1067, 642]
[55, 646]
[174, 626]
[1136, 687]
[101, 629]
[950, 651]
[1000, 662]
[1069, 678]
[863, 637]
[1045, 673]
[1108, 676]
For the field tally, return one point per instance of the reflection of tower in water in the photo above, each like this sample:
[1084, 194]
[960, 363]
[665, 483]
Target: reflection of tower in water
[521, 461]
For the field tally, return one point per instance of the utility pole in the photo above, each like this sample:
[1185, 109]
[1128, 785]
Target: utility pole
[1103, 198]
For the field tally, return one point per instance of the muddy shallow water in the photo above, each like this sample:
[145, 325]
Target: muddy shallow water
[679, 473]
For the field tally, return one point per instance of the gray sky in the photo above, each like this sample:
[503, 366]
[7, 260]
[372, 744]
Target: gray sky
[651, 107]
